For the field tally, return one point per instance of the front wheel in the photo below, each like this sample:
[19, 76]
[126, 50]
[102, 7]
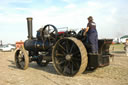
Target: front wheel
[21, 58]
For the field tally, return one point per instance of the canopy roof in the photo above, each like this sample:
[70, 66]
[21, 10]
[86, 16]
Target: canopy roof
[125, 36]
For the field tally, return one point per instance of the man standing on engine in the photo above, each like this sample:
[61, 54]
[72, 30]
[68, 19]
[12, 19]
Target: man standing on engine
[92, 35]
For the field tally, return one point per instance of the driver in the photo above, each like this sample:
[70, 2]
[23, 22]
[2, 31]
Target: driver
[92, 35]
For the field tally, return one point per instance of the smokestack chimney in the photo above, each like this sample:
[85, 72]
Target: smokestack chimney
[29, 23]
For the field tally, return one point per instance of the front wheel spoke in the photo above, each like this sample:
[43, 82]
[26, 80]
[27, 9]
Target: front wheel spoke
[22, 64]
[21, 60]
[20, 55]
[20, 52]
[18, 61]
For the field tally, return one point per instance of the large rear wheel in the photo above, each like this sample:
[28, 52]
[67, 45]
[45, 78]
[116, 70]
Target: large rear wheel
[69, 56]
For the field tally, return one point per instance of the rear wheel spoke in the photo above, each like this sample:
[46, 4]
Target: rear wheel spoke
[66, 69]
[76, 53]
[72, 47]
[71, 68]
[60, 61]
[61, 46]
[76, 65]
[62, 54]
[67, 46]
[59, 54]
[76, 59]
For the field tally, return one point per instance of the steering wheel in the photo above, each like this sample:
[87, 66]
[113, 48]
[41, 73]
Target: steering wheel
[81, 32]
[81, 36]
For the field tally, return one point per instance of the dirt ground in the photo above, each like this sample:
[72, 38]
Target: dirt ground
[114, 74]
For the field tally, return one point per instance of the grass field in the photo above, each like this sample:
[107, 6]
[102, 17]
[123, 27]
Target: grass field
[117, 47]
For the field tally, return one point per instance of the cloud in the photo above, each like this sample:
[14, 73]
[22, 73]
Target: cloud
[21, 9]
[70, 6]
[48, 1]
[66, 1]
[70, 1]
[17, 1]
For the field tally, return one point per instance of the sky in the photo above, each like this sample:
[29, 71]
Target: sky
[111, 16]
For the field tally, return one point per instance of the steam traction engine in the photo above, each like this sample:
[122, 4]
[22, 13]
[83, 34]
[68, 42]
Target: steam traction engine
[68, 51]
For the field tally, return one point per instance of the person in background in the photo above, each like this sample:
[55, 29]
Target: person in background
[92, 35]
[126, 47]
